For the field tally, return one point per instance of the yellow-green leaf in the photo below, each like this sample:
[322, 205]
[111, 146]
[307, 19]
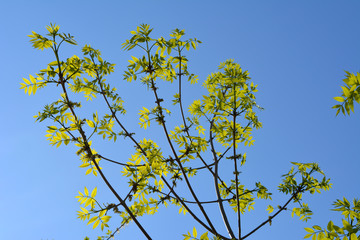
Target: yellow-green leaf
[92, 220]
[204, 236]
[26, 81]
[194, 232]
[86, 191]
[87, 172]
[32, 79]
[339, 99]
[96, 223]
[90, 123]
[346, 91]
[308, 235]
[105, 218]
[270, 209]
[93, 193]
[353, 236]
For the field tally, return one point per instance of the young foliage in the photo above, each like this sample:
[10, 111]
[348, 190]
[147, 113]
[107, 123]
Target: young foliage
[214, 131]
[350, 224]
[351, 221]
[350, 93]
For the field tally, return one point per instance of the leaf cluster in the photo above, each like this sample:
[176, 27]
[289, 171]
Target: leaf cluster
[214, 131]
[350, 94]
[350, 223]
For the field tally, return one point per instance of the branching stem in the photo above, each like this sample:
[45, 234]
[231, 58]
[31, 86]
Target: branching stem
[91, 155]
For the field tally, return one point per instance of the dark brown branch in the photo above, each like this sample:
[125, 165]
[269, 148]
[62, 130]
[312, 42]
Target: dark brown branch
[193, 215]
[235, 164]
[89, 152]
[216, 177]
[177, 158]
[119, 163]
[153, 87]
[144, 153]
[271, 217]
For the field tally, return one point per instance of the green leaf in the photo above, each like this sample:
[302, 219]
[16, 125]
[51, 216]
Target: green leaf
[330, 226]
[346, 91]
[105, 218]
[270, 209]
[194, 232]
[90, 123]
[96, 224]
[339, 99]
[353, 236]
[86, 191]
[310, 230]
[346, 225]
[193, 44]
[353, 88]
[54, 63]
[186, 236]
[347, 107]
[204, 236]
[88, 171]
[92, 220]
[308, 235]
[93, 193]
[316, 227]
[32, 79]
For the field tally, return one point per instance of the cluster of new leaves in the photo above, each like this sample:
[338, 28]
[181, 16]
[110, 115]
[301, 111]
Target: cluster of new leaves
[69, 76]
[350, 93]
[308, 183]
[214, 131]
[194, 235]
[89, 200]
[350, 223]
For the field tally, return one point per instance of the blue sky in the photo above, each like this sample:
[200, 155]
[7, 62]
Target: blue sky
[296, 51]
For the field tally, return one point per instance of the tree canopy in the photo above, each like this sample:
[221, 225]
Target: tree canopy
[205, 141]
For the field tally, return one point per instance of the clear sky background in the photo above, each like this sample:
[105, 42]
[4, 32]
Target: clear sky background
[296, 51]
